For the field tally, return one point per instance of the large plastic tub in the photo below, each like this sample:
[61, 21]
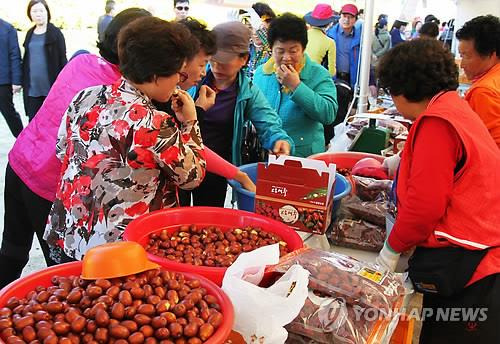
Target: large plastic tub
[226, 219]
[23, 286]
[344, 159]
[246, 199]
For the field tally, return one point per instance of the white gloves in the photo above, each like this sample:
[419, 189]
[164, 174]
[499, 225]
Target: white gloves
[392, 164]
[387, 258]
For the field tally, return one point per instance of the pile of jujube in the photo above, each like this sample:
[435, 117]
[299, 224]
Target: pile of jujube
[210, 246]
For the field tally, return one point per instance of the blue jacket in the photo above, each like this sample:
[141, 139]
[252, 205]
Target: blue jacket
[252, 105]
[354, 53]
[10, 56]
[307, 109]
[396, 37]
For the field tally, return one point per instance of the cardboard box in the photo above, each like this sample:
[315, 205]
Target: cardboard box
[399, 143]
[296, 191]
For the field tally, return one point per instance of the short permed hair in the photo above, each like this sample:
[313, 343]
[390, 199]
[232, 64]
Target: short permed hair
[429, 29]
[418, 70]
[287, 27]
[205, 37]
[33, 3]
[108, 47]
[150, 47]
[485, 32]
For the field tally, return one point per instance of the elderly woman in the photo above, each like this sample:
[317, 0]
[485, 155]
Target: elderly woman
[301, 91]
[122, 158]
[448, 203]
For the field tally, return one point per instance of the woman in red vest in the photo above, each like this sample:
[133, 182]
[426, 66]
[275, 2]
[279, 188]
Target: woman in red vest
[447, 198]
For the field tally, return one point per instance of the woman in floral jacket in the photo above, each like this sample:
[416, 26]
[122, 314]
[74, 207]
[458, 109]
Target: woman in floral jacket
[121, 158]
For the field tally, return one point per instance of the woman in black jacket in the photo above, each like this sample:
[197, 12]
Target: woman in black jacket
[44, 57]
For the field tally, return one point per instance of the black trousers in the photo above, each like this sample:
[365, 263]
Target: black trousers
[211, 192]
[25, 214]
[32, 105]
[484, 294]
[8, 111]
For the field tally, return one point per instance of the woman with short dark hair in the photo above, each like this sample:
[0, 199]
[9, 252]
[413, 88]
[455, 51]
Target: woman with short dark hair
[44, 57]
[299, 89]
[121, 157]
[446, 196]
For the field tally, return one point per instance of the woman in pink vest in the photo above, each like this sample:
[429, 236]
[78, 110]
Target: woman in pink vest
[447, 198]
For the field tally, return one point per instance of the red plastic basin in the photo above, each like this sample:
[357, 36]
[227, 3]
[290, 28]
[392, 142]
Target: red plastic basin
[344, 159]
[170, 219]
[23, 286]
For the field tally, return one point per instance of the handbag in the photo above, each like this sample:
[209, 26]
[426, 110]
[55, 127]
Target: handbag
[251, 148]
[444, 271]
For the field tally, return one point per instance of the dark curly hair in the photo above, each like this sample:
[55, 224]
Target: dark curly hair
[418, 70]
[429, 29]
[150, 47]
[108, 47]
[485, 32]
[206, 37]
[287, 27]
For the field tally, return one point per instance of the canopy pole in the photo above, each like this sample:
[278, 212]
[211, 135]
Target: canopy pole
[366, 55]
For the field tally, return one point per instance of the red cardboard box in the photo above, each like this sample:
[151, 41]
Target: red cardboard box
[296, 191]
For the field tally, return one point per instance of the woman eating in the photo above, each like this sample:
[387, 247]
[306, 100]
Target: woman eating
[121, 158]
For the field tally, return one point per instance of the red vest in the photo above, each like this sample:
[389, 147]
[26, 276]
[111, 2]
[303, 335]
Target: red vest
[472, 218]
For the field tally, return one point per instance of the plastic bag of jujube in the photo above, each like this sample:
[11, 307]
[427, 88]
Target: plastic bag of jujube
[331, 320]
[337, 275]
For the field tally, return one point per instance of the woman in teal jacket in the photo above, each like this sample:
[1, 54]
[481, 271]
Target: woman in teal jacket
[300, 90]
[237, 101]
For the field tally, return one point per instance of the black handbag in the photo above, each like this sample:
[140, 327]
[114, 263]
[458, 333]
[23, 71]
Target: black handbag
[444, 271]
[251, 148]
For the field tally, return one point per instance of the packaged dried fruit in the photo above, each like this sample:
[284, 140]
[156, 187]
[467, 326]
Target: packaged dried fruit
[374, 212]
[331, 320]
[358, 234]
[337, 275]
[369, 189]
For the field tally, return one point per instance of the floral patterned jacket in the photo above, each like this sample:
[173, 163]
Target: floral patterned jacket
[121, 158]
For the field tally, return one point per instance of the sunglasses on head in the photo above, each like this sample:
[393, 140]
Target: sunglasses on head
[182, 8]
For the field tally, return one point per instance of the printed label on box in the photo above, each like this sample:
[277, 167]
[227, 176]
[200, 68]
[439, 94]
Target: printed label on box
[296, 191]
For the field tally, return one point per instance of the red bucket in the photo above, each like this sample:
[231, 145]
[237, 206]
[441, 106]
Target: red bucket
[23, 286]
[226, 219]
[344, 159]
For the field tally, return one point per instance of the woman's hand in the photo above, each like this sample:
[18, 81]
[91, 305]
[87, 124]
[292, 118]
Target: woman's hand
[281, 147]
[206, 98]
[245, 181]
[288, 76]
[183, 106]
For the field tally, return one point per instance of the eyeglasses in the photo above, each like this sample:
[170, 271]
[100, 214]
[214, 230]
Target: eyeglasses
[182, 8]
[182, 77]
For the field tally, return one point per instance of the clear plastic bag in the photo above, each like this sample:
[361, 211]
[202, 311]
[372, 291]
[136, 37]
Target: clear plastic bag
[369, 189]
[337, 275]
[358, 234]
[332, 320]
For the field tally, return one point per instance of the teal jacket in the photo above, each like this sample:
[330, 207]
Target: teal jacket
[252, 105]
[307, 109]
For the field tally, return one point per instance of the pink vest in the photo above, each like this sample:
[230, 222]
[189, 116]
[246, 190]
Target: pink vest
[33, 156]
